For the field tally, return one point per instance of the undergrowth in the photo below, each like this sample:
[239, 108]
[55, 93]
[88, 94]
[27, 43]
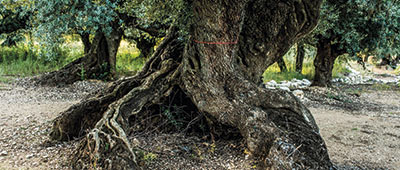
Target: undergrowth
[25, 59]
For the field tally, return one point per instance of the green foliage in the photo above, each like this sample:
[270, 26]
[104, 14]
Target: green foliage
[360, 26]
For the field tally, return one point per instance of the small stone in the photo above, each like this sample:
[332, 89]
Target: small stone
[29, 156]
[298, 93]
[271, 88]
[285, 88]
[3, 153]
[306, 82]
[271, 83]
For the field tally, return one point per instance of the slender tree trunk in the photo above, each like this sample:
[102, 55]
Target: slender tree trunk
[85, 38]
[145, 46]
[99, 62]
[9, 42]
[300, 57]
[217, 75]
[282, 65]
[324, 62]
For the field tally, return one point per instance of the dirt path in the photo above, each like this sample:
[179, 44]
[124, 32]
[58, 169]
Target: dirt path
[361, 131]
[25, 121]
[368, 136]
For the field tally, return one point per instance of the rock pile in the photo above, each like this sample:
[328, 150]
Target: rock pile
[293, 86]
[354, 77]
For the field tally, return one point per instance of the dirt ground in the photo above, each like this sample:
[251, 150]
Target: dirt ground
[360, 124]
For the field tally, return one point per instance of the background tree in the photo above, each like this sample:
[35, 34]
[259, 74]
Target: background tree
[212, 62]
[14, 18]
[101, 19]
[353, 27]
[101, 25]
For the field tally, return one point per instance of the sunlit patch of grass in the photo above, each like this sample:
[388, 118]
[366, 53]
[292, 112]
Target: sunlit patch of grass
[24, 60]
[274, 73]
[128, 61]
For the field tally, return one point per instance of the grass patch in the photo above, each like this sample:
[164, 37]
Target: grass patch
[382, 87]
[25, 60]
[6, 80]
[274, 73]
[128, 61]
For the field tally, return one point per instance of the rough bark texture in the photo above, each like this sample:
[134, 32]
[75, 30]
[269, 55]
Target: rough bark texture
[282, 65]
[211, 77]
[300, 57]
[324, 61]
[98, 63]
[219, 70]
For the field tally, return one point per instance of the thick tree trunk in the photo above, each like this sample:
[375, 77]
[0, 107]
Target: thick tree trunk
[219, 70]
[282, 65]
[98, 63]
[300, 57]
[324, 62]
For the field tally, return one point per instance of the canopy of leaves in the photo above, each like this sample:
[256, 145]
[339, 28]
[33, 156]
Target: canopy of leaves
[361, 26]
[14, 15]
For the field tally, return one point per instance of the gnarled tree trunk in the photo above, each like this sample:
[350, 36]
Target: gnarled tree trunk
[219, 70]
[324, 62]
[99, 61]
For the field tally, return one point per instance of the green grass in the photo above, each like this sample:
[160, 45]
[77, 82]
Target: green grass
[128, 62]
[24, 60]
[274, 73]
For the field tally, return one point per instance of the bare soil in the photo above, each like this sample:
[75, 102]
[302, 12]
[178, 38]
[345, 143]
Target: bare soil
[360, 124]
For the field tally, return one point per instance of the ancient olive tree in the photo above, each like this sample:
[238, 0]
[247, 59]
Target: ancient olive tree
[354, 27]
[212, 63]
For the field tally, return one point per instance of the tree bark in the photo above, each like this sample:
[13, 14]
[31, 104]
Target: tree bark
[85, 38]
[324, 62]
[99, 62]
[219, 70]
[282, 65]
[300, 57]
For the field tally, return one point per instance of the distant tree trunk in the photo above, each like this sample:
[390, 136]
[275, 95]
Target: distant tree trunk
[145, 46]
[217, 74]
[282, 65]
[85, 38]
[300, 57]
[99, 62]
[324, 62]
[9, 42]
[389, 61]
